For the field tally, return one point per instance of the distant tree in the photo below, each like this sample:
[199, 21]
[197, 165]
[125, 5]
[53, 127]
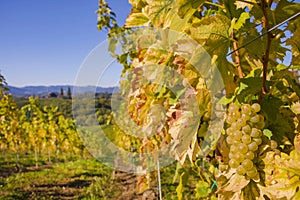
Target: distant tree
[52, 95]
[3, 85]
[61, 92]
[69, 94]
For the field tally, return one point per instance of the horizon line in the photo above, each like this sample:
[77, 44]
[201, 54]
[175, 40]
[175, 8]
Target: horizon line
[103, 86]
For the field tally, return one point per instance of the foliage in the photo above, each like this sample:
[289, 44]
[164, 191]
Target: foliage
[73, 179]
[33, 128]
[256, 71]
[3, 85]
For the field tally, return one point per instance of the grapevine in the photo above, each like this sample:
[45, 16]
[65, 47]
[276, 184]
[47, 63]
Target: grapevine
[262, 90]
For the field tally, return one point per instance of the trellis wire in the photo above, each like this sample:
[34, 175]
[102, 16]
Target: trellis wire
[271, 29]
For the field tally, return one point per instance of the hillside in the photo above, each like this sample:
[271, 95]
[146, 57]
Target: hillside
[44, 90]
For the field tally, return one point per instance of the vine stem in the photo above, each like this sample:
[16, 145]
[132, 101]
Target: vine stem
[237, 56]
[267, 52]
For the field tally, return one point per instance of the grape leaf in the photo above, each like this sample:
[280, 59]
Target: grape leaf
[294, 41]
[270, 105]
[161, 13]
[136, 19]
[285, 9]
[139, 4]
[231, 9]
[233, 187]
[251, 191]
[185, 6]
[182, 182]
[241, 21]
[202, 189]
[243, 4]
[284, 179]
[212, 33]
[248, 86]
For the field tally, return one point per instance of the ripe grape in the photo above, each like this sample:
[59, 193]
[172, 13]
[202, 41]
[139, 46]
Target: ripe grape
[236, 126]
[258, 141]
[255, 107]
[246, 129]
[230, 140]
[246, 108]
[255, 132]
[261, 123]
[273, 144]
[247, 164]
[229, 131]
[236, 115]
[249, 155]
[252, 173]
[237, 135]
[233, 163]
[239, 157]
[233, 148]
[229, 119]
[241, 170]
[255, 119]
[245, 117]
[246, 139]
[233, 108]
[243, 148]
[242, 122]
[253, 146]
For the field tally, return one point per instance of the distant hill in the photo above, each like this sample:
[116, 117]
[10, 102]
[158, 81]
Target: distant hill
[45, 90]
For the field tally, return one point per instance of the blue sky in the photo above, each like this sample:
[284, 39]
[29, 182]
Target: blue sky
[45, 42]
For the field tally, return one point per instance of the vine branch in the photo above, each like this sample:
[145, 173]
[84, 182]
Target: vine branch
[266, 56]
[237, 56]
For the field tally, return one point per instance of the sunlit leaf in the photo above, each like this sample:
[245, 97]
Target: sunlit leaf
[137, 19]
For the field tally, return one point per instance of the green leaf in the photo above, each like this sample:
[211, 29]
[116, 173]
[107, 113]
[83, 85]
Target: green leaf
[241, 21]
[225, 100]
[249, 86]
[268, 133]
[137, 19]
[293, 83]
[251, 191]
[180, 188]
[159, 12]
[283, 127]
[271, 105]
[231, 10]
[294, 41]
[280, 67]
[202, 189]
[212, 33]
[185, 6]
[285, 9]
[139, 4]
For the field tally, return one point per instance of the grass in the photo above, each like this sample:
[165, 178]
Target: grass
[57, 181]
[79, 179]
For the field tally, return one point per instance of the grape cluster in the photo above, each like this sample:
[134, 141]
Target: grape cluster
[243, 137]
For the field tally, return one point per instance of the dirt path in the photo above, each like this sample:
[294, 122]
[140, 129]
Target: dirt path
[127, 183]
